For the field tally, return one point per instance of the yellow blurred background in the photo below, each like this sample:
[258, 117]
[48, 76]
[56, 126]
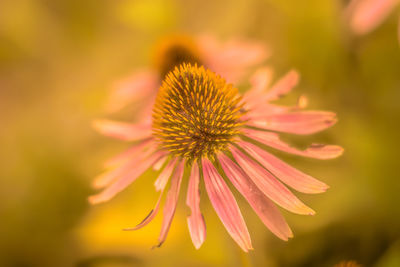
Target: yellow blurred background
[58, 60]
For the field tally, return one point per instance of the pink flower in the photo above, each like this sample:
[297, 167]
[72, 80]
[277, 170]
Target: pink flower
[232, 60]
[202, 124]
[366, 15]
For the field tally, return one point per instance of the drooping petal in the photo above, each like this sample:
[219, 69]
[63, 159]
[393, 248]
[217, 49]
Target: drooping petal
[196, 224]
[122, 182]
[368, 14]
[170, 204]
[263, 206]
[269, 185]
[301, 122]
[314, 151]
[283, 86]
[122, 130]
[138, 87]
[149, 217]
[287, 174]
[162, 179]
[225, 205]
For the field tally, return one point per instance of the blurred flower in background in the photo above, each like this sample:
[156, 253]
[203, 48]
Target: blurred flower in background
[232, 60]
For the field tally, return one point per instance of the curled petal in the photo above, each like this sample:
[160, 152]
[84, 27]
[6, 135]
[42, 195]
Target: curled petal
[287, 174]
[196, 224]
[314, 151]
[269, 185]
[263, 206]
[149, 217]
[301, 122]
[122, 182]
[225, 205]
[163, 179]
[123, 131]
[170, 204]
[283, 86]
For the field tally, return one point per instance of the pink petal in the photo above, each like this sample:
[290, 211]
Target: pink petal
[125, 180]
[158, 165]
[135, 150]
[162, 179]
[138, 87]
[314, 151]
[301, 122]
[368, 14]
[197, 227]
[123, 131]
[287, 174]
[149, 217]
[232, 59]
[269, 185]
[170, 205]
[125, 167]
[263, 206]
[283, 86]
[261, 79]
[225, 205]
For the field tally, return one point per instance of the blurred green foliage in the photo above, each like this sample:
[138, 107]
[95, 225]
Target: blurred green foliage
[58, 59]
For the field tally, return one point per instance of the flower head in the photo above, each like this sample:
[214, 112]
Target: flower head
[232, 60]
[203, 124]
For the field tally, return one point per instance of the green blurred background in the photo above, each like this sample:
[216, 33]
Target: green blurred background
[58, 60]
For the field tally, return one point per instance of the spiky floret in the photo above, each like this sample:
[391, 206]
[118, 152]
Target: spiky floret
[196, 113]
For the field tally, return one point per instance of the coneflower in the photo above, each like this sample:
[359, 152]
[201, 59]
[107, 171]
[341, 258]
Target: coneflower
[232, 60]
[203, 124]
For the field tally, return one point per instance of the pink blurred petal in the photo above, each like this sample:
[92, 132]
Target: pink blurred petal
[287, 174]
[232, 59]
[196, 224]
[109, 176]
[225, 205]
[269, 185]
[170, 204]
[283, 86]
[138, 87]
[261, 79]
[135, 150]
[368, 14]
[122, 182]
[301, 122]
[314, 151]
[158, 165]
[122, 130]
[263, 206]
[162, 179]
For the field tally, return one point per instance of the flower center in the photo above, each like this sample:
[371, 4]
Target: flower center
[174, 50]
[196, 113]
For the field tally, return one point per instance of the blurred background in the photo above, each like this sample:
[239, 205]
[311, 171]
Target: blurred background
[58, 60]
